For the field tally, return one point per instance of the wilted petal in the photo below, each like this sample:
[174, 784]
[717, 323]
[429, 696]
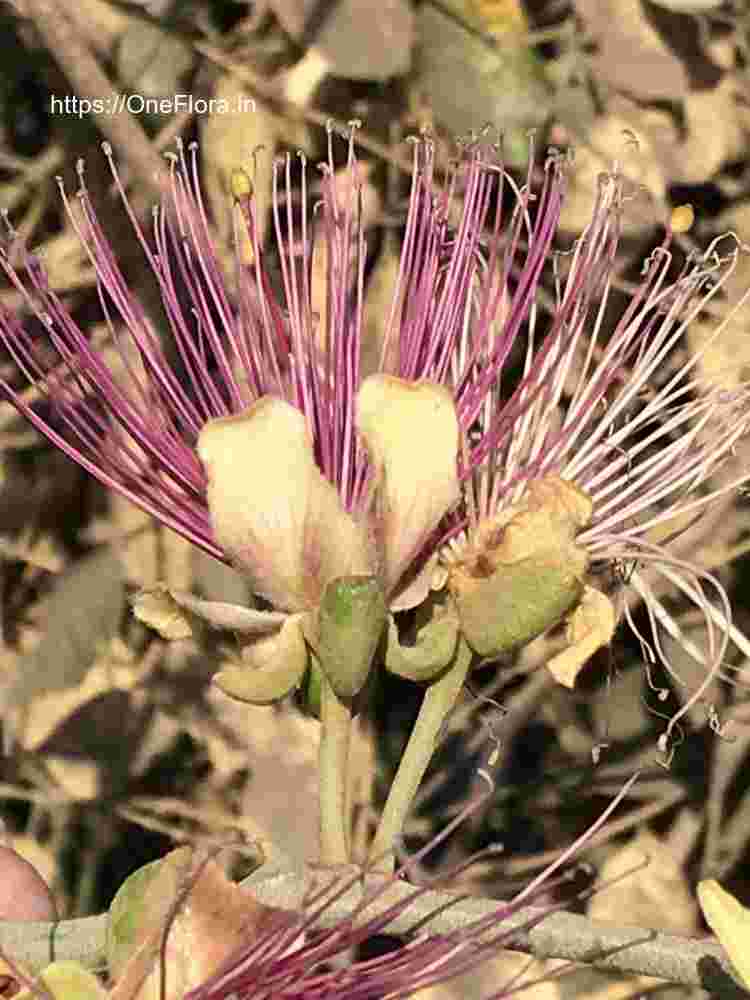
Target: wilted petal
[222, 614]
[157, 608]
[411, 433]
[272, 510]
[591, 626]
[514, 605]
[524, 572]
[414, 588]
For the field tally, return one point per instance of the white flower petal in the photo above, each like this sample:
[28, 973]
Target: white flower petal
[273, 512]
[410, 430]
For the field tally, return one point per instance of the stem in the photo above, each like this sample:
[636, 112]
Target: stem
[690, 961]
[437, 703]
[335, 718]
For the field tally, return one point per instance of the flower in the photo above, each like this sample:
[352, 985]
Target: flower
[263, 442]
[272, 444]
[596, 452]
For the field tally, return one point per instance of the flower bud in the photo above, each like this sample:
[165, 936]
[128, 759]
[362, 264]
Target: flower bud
[350, 623]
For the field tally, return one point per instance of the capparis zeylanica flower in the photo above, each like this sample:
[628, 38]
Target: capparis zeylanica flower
[349, 478]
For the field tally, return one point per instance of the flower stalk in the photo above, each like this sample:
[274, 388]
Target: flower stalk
[335, 720]
[438, 702]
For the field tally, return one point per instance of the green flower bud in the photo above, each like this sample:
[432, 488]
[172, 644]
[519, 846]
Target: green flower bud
[351, 619]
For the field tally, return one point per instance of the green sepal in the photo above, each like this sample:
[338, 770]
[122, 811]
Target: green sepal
[271, 666]
[351, 619]
[516, 603]
[434, 646]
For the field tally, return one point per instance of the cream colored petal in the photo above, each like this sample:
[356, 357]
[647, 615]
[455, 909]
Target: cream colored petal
[414, 588]
[272, 510]
[730, 922]
[590, 626]
[410, 430]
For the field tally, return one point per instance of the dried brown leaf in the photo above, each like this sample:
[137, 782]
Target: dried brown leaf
[641, 143]
[229, 137]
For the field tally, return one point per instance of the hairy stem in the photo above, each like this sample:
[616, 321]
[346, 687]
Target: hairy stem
[438, 701]
[336, 719]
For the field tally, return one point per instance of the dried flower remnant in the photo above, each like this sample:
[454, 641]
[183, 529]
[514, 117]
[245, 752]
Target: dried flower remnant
[570, 470]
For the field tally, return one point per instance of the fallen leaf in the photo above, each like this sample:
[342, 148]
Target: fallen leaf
[230, 137]
[470, 82]
[641, 144]
[81, 616]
